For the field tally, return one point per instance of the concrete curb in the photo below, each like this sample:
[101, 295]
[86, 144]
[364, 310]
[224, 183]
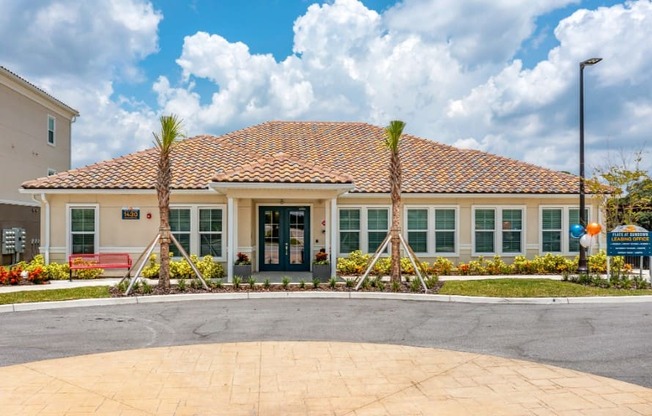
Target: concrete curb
[414, 297]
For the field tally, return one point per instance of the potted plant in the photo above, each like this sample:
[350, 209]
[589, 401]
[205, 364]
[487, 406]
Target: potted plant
[321, 267]
[242, 266]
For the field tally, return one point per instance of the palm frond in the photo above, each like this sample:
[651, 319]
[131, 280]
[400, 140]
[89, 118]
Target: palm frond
[393, 134]
[171, 130]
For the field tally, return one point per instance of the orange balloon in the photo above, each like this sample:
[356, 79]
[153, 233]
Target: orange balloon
[593, 228]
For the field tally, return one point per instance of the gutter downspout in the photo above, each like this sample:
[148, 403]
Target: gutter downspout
[46, 245]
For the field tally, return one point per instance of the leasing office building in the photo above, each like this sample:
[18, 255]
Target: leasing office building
[281, 191]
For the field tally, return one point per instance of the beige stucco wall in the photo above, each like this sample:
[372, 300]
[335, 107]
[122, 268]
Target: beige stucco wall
[133, 235]
[25, 152]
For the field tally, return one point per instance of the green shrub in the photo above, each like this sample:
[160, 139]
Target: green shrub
[415, 286]
[316, 282]
[151, 270]
[302, 284]
[332, 283]
[366, 283]
[442, 267]
[180, 269]
[354, 264]
[181, 284]
[145, 287]
[285, 282]
[383, 266]
[406, 266]
[237, 282]
[208, 267]
[497, 267]
[396, 286]
[266, 283]
[252, 282]
[57, 271]
[478, 267]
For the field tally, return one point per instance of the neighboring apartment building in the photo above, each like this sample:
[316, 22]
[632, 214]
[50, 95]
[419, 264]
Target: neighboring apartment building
[35, 133]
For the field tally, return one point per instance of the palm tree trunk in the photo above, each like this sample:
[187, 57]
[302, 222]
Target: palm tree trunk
[165, 177]
[395, 186]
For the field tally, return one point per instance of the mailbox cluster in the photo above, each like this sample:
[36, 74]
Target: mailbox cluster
[13, 240]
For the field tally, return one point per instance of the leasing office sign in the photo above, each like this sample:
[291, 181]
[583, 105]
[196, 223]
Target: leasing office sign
[629, 240]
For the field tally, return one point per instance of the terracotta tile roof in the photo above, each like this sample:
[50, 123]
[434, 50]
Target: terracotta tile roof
[281, 167]
[318, 152]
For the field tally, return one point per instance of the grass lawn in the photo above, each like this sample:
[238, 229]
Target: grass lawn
[55, 294]
[503, 288]
[530, 288]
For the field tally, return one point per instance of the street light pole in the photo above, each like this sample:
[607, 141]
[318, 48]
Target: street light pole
[582, 267]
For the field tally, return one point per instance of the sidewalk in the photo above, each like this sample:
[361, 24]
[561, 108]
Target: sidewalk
[309, 378]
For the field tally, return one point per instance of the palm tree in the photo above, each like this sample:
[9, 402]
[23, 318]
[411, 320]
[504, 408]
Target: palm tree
[164, 141]
[393, 134]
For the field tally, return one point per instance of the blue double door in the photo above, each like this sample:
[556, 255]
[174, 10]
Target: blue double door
[284, 238]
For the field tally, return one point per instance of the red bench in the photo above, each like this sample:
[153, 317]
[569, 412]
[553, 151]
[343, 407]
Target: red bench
[99, 261]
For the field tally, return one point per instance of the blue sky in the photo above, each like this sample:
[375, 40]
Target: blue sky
[499, 76]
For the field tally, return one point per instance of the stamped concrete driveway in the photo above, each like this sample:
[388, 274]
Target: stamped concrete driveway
[611, 340]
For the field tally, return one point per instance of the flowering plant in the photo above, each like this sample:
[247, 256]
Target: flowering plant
[321, 257]
[242, 259]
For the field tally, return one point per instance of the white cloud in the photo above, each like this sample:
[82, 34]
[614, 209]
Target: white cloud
[447, 68]
[76, 50]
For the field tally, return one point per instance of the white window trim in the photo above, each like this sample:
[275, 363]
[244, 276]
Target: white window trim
[364, 229]
[431, 228]
[54, 131]
[498, 231]
[195, 239]
[69, 208]
[565, 227]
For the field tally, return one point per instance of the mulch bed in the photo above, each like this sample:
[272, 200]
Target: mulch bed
[274, 287]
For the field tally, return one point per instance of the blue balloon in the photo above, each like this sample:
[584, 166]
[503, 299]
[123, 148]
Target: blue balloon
[576, 231]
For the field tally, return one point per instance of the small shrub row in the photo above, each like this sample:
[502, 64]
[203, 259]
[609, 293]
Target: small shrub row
[180, 269]
[35, 272]
[356, 264]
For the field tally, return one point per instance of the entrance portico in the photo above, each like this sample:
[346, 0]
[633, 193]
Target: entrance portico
[283, 233]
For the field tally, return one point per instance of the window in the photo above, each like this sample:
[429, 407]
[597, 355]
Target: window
[362, 228]
[498, 230]
[180, 227]
[574, 218]
[199, 230]
[432, 230]
[551, 226]
[210, 232]
[555, 223]
[417, 225]
[444, 231]
[51, 130]
[349, 230]
[82, 230]
[512, 227]
[377, 226]
[485, 224]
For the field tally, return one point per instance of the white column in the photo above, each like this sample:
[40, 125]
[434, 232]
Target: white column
[332, 230]
[230, 239]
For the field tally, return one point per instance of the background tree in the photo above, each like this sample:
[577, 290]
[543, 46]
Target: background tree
[623, 190]
[393, 134]
[165, 141]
